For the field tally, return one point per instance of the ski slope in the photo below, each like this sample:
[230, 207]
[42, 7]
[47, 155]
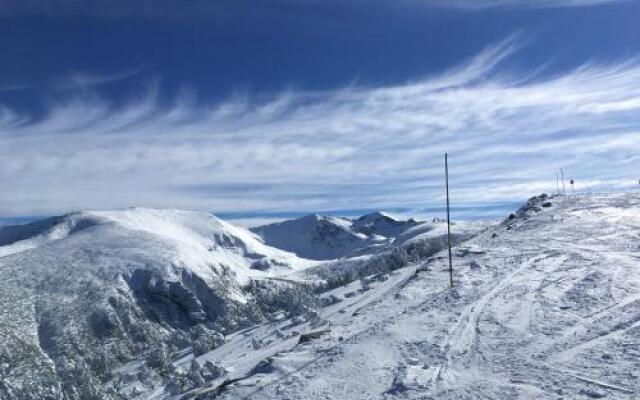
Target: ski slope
[546, 305]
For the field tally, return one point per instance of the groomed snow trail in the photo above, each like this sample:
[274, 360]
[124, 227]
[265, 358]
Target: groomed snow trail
[546, 306]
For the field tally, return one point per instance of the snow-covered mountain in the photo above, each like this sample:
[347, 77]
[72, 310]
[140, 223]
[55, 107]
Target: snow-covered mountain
[82, 292]
[382, 224]
[158, 304]
[316, 237]
[324, 237]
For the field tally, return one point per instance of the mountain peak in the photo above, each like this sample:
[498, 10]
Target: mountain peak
[376, 216]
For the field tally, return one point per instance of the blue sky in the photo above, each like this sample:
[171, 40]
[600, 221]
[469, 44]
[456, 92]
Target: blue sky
[255, 108]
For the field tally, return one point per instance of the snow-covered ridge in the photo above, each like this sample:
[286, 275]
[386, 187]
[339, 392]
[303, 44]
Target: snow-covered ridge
[198, 237]
[82, 293]
[16, 238]
[325, 237]
[117, 283]
[315, 236]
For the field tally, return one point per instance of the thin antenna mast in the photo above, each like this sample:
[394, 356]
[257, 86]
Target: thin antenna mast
[562, 173]
[446, 178]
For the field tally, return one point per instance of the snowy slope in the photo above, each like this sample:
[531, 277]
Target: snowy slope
[83, 292]
[325, 238]
[315, 237]
[382, 224]
[96, 303]
[546, 306]
[198, 238]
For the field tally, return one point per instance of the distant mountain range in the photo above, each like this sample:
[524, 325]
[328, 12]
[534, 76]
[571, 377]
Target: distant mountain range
[320, 237]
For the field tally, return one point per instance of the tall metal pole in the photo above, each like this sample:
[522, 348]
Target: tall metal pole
[446, 178]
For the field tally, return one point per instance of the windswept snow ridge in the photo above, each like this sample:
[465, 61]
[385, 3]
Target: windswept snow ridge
[105, 304]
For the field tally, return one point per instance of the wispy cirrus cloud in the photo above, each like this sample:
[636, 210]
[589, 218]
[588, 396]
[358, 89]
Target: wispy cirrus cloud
[354, 148]
[85, 80]
[13, 87]
[526, 4]
[220, 9]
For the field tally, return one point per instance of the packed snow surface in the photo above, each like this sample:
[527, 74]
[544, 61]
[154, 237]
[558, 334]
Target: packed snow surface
[546, 305]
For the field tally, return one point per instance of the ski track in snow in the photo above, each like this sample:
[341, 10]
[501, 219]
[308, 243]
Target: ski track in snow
[553, 311]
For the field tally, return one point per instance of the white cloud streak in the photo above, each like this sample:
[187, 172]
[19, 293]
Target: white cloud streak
[526, 4]
[171, 9]
[14, 87]
[84, 80]
[359, 147]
